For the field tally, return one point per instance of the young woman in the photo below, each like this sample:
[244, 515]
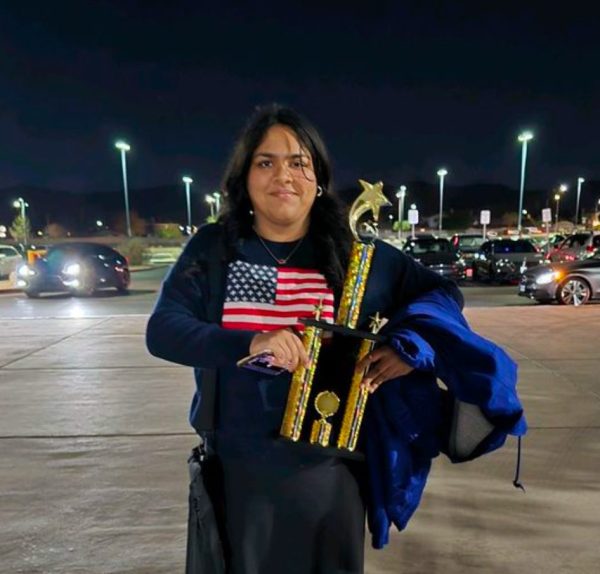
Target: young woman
[286, 244]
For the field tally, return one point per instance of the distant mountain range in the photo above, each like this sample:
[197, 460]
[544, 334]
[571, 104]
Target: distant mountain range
[78, 212]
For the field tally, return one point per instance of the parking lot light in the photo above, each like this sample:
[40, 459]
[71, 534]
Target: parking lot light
[442, 173]
[580, 180]
[217, 197]
[188, 181]
[211, 202]
[401, 195]
[557, 199]
[124, 147]
[524, 137]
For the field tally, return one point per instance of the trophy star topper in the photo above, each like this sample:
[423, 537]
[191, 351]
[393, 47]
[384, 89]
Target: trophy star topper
[371, 199]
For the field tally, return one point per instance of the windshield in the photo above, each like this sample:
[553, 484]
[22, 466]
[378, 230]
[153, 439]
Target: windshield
[510, 246]
[473, 242]
[429, 246]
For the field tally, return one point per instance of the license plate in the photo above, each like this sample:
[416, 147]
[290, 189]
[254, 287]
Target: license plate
[521, 288]
[469, 273]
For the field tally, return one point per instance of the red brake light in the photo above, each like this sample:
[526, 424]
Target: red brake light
[590, 248]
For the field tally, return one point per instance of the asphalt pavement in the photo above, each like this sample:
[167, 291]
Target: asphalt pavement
[94, 437]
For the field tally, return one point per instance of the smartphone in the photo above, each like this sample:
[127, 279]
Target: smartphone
[261, 363]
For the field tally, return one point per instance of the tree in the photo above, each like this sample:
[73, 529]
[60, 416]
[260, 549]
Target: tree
[55, 231]
[510, 219]
[138, 224]
[20, 230]
[167, 230]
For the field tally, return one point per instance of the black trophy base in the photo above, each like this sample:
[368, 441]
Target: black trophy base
[304, 447]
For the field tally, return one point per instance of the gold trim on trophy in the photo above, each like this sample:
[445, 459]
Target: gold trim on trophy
[302, 380]
[357, 398]
[371, 199]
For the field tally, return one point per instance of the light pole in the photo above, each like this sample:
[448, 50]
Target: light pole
[21, 204]
[124, 148]
[442, 173]
[211, 202]
[413, 222]
[562, 189]
[188, 180]
[523, 138]
[580, 180]
[217, 197]
[400, 194]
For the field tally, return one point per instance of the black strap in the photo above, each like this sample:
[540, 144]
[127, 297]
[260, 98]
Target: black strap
[215, 271]
[516, 482]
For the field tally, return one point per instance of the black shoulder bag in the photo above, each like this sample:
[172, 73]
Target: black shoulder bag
[207, 548]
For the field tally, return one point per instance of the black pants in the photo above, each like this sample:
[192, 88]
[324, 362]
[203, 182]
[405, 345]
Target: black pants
[295, 519]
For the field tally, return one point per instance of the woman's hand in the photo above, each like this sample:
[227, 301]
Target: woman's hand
[287, 348]
[383, 364]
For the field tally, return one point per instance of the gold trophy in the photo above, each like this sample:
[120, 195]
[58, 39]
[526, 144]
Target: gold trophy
[352, 344]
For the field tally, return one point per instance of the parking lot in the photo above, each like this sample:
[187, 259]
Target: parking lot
[94, 440]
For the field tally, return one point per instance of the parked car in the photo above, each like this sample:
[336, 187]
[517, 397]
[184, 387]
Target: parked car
[76, 268]
[576, 246]
[504, 259]
[572, 283]
[438, 255]
[467, 245]
[10, 259]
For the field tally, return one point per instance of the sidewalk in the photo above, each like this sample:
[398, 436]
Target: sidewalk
[94, 438]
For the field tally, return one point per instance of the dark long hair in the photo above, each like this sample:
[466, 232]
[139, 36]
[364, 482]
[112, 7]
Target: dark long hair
[328, 228]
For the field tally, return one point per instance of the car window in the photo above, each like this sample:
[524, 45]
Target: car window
[575, 241]
[433, 246]
[473, 242]
[510, 246]
[9, 251]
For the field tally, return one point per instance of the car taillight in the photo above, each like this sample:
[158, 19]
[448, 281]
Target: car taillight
[590, 248]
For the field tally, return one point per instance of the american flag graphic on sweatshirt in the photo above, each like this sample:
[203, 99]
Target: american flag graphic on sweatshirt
[265, 298]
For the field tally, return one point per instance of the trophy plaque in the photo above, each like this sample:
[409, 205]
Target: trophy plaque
[326, 402]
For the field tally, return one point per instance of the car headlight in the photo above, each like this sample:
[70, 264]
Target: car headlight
[25, 271]
[73, 269]
[547, 278]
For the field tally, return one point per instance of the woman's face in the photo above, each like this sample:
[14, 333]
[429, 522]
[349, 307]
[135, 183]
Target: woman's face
[281, 181]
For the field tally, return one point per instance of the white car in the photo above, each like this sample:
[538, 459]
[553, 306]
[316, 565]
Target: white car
[10, 259]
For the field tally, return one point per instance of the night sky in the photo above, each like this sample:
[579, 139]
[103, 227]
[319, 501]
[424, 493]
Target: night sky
[397, 89]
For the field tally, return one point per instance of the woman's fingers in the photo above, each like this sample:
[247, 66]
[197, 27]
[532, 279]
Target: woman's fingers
[383, 364]
[288, 350]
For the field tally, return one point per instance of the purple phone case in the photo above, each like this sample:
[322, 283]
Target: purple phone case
[262, 364]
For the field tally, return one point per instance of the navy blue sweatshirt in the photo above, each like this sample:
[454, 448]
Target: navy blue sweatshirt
[250, 405]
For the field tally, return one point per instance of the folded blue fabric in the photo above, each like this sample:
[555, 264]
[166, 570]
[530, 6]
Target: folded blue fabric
[408, 420]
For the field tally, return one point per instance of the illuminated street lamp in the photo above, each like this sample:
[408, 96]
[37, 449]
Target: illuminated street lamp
[400, 194]
[580, 180]
[442, 173]
[124, 148]
[562, 189]
[523, 138]
[188, 180]
[21, 204]
[217, 197]
[211, 202]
